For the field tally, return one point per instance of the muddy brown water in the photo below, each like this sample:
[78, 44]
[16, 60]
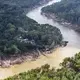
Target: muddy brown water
[53, 59]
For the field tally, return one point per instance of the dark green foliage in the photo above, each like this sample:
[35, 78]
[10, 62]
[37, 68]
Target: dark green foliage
[19, 34]
[69, 10]
[70, 71]
[26, 5]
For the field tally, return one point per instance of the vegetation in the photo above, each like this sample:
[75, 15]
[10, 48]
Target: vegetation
[69, 10]
[20, 34]
[24, 4]
[70, 70]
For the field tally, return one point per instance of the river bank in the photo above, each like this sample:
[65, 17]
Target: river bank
[6, 58]
[61, 21]
[10, 60]
[6, 62]
[53, 59]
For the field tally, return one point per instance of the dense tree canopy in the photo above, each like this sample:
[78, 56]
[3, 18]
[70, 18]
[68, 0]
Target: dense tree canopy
[69, 10]
[18, 33]
[24, 4]
[70, 70]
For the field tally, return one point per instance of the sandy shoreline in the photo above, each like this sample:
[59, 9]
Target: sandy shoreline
[18, 59]
[53, 59]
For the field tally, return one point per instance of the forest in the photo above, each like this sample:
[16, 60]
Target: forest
[20, 34]
[26, 5]
[69, 10]
[70, 70]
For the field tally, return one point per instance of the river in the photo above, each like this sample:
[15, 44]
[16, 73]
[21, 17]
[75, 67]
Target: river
[57, 56]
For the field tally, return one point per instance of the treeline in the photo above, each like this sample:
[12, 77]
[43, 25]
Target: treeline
[24, 4]
[69, 10]
[19, 34]
[70, 70]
